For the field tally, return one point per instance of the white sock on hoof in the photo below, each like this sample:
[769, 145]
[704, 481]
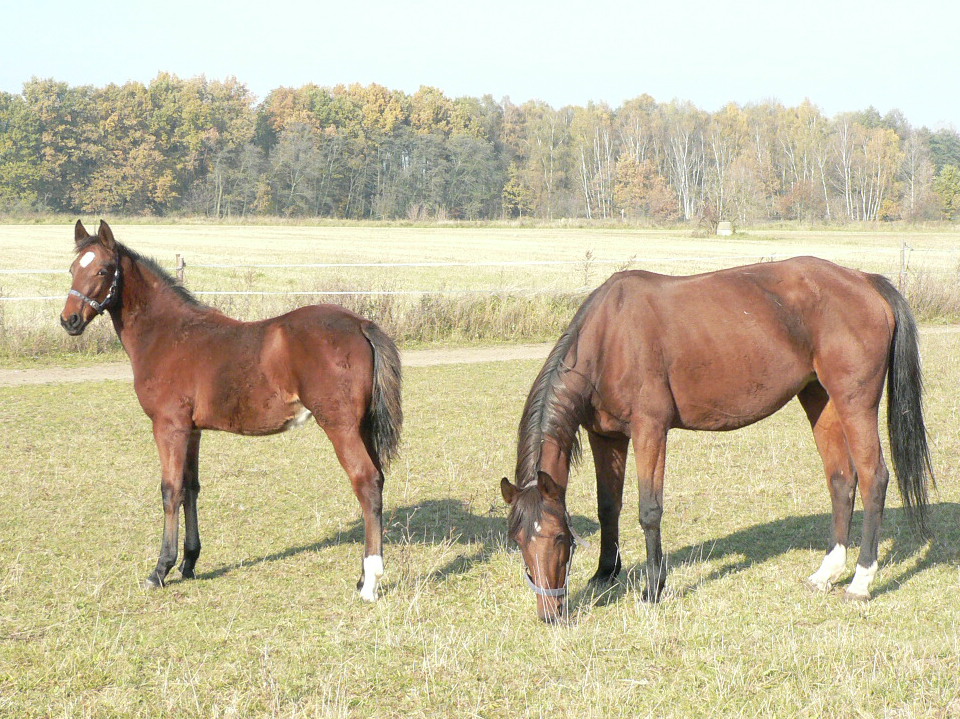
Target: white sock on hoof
[860, 586]
[831, 569]
[372, 571]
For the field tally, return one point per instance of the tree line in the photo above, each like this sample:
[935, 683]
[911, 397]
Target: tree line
[207, 147]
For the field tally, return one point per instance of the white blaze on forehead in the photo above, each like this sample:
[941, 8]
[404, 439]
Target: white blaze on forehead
[87, 259]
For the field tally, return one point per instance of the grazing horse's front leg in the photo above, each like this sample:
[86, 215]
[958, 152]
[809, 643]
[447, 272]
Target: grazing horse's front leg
[610, 459]
[172, 443]
[650, 448]
[367, 480]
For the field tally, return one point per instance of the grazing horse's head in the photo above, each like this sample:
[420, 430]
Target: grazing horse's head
[96, 278]
[540, 526]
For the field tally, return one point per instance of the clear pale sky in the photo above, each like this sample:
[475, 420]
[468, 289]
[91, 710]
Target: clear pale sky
[841, 55]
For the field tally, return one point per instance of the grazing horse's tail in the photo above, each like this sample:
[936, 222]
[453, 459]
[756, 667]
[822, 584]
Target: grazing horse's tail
[385, 416]
[908, 435]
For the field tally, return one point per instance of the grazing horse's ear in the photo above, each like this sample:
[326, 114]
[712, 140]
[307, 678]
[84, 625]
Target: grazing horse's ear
[80, 233]
[105, 235]
[549, 488]
[508, 491]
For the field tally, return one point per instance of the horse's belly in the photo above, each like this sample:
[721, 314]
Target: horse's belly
[739, 407]
[253, 415]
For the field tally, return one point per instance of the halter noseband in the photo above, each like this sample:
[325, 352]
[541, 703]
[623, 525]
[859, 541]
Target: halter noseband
[112, 294]
[559, 591]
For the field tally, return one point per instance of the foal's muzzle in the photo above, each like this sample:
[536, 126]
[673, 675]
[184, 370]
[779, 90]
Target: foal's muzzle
[74, 324]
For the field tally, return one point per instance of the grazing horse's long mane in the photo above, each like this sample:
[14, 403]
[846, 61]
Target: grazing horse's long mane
[553, 409]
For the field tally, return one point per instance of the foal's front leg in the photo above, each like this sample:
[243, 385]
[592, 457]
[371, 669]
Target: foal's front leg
[191, 492]
[172, 443]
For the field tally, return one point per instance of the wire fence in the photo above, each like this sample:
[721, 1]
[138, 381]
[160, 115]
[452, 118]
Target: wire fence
[911, 260]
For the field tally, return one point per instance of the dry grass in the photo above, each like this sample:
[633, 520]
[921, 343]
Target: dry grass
[272, 627]
[484, 303]
[481, 304]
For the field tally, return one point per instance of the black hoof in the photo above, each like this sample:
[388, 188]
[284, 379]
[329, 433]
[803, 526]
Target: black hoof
[153, 582]
[604, 577]
[652, 597]
[187, 573]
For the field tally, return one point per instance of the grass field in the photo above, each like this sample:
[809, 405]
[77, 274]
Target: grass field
[272, 626]
[486, 302]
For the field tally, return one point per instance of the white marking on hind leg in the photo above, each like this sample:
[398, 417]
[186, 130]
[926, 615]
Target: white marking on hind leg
[372, 571]
[831, 569]
[860, 586]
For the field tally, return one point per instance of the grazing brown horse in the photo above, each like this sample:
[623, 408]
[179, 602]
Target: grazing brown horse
[194, 368]
[646, 353]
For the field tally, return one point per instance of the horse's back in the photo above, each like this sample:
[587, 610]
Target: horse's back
[723, 349]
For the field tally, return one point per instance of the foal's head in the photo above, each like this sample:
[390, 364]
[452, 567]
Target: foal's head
[539, 524]
[96, 278]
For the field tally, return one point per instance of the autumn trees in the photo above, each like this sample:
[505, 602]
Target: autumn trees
[199, 146]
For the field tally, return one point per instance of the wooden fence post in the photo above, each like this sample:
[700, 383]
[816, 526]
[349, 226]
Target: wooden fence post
[904, 250]
[181, 267]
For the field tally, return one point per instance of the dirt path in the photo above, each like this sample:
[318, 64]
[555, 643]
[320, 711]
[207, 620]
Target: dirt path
[412, 358]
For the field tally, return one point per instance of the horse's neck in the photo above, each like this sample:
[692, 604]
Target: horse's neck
[149, 308]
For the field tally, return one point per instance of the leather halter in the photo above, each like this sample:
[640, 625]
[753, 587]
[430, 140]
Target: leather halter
[559, 591]
[113, 294]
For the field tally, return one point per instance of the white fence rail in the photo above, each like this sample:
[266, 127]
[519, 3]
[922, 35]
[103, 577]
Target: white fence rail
[906, 255]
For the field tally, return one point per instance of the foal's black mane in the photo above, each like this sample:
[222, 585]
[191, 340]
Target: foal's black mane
[153, 266]
[553, 410]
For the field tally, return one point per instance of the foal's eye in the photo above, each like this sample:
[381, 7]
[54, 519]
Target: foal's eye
[102, 273]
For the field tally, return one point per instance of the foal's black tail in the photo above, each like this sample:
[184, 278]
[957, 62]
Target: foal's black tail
[908, 435]
[385, 416]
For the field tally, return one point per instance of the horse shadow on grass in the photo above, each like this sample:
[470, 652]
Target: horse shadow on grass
[439, 522]
[454, 523]
[907, 556]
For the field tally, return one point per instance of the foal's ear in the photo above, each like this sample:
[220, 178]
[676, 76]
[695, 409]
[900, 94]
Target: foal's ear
[508, 491]
[80, 233]
[105, 235]
[549, 488]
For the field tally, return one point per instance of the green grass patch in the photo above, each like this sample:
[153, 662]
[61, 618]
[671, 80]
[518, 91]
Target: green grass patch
[273, 627]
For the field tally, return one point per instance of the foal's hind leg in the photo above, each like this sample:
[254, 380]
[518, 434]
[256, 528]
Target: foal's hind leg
[841, 480]
[366, 477]
[609, 458]
[191, 482]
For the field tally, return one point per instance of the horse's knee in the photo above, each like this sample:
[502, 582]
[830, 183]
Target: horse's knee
[650, 515]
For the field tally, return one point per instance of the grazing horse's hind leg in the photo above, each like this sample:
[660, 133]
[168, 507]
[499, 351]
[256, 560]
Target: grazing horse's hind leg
[363, 468]
[191, 482]
[841, 480]
[872, 475]
[172, 443]
[610, 459]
